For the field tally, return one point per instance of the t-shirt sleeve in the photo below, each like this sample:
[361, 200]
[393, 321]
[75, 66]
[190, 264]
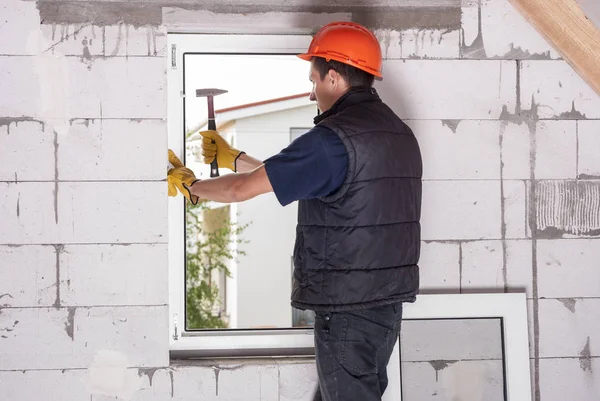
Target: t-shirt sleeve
[313, 165]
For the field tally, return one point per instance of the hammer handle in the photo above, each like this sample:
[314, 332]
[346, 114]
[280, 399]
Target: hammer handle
[214, 167]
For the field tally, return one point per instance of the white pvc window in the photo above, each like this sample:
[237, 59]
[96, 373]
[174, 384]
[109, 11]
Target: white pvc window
[241, 340]
[506, 311]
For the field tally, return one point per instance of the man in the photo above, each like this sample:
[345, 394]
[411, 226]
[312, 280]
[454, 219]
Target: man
[357, 177]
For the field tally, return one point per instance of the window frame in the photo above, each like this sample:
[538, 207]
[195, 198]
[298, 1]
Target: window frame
[511, 308]
[214, 343]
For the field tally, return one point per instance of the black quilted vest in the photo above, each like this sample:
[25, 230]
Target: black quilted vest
[359, 246]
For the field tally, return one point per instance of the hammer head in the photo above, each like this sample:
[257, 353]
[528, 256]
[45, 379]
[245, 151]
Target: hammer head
[209, 92]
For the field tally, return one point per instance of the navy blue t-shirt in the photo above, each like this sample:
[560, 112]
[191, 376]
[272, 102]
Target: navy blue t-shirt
[313, 165]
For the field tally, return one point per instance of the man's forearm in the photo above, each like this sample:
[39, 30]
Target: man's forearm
[222, 189]
[233, 187]
[246, 163]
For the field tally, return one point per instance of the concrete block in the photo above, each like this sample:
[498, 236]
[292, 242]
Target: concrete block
[58, 89]
[516, 209]
[109, 378]
[430, 44]
[156, 384]
[568, 268]
[516, 151]
[449, 89]
[113, 212]
[439, 267]
[52, 384]
[19, 23]
[556, 150]
[483, 267]
[567, 209]
[113, 150]
[20, 86]
[190, 382]
[83, 40]
[127, 40]
[118, 87]
[519, 267]
[557, 91]
[50, 338]
[84, 212]
[488, 266]
[213, 383]
[232, 381]
[297, 381]
[27, 151]
[496, 29]
[27, 276]
[139, 333]
[28, 213]
[390, 42]
[458, 149]
[36, 338]
[562, 379]
[568, 326]
[453, 380]
[113, 275]
[588, 143]
[89, 41]
[450, 340]
[467, 210]
[260, 383]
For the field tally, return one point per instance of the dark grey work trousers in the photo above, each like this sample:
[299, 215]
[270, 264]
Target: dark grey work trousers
[352, 351]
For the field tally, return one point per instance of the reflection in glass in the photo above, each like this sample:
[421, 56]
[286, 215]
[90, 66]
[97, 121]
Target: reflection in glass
[449, 360]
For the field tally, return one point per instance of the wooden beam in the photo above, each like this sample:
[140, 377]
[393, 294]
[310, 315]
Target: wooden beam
[564, 24]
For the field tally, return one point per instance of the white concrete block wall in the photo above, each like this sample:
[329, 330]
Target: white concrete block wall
[508, 132]
[588, 140]
[121, 150]
[83, 244]
[440, 267]
[27, 152]
[28, 276]
[467, 210]
[477, 90]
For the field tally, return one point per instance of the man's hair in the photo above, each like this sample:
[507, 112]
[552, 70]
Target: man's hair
[352, 75]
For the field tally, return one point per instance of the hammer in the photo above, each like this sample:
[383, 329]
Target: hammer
[209, 93]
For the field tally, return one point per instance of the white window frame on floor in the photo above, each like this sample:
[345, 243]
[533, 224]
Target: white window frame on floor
[510, 308]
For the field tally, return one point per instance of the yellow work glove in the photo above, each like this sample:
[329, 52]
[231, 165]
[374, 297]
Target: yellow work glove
[213, 145]
[180, 177]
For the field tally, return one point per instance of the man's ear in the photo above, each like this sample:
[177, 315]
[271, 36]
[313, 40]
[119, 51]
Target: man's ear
[334, 77]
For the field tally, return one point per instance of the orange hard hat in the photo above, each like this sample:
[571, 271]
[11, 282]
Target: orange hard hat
[349, 43]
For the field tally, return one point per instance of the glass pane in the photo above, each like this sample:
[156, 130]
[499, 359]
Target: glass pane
[450, 360]
[238, 256]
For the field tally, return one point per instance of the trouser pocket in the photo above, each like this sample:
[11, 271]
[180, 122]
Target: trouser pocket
[362, 340]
